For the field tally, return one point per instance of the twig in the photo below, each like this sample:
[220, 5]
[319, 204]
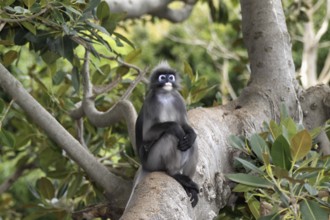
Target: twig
[12, 179]
[10, 20]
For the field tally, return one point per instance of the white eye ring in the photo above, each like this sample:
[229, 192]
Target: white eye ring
[161, 77]
[171, 78]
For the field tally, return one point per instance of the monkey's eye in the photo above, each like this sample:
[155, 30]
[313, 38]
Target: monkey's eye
[161, 78]
[171, 78]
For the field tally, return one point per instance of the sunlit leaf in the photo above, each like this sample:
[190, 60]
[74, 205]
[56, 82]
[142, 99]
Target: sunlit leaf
[29, 3]
[103, 10]
[188, 70]
[281, 153]
[301, 144]
[133, 55]
[274, 129]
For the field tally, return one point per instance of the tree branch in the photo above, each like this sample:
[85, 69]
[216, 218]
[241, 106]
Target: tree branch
[121, 110]
[115, 187]
[5, 185]
[158, 8]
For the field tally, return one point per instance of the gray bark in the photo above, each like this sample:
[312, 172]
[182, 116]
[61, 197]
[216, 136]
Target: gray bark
[272, 82]
[158, 8]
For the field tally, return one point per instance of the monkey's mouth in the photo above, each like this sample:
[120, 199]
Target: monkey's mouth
[168, 86]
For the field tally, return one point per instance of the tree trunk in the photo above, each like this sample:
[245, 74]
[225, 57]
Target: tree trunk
[272, 82]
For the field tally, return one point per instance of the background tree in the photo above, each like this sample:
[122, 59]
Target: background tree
[44, 47]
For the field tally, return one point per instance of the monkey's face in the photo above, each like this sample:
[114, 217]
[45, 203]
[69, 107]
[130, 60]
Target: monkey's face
[166, 80]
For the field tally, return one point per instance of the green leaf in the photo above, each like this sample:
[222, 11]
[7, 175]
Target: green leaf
[310, 189]
[29, 3]
[7, 138]
[259, 146]
[237, 142]
[290, 125]
[75, 79]
[274, 129]
[250, 180]
[301, 144]
[2, 108]
[122, 38]
[122, 70]
[75, 185]
[9, 57]
[284, 111]
[49, 57]
[311, 210]
[242, 188]
[133, 55]
[275, 216]
[281, 153]
[223, 14]
[187, 69]
[30, 27]
[249, 165]
[91, 5]
[254, 206]
[103, 10]
[45, 188]
[58, 77]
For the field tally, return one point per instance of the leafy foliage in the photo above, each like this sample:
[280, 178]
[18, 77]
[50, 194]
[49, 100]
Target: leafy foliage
[41, 43]
[285, 178]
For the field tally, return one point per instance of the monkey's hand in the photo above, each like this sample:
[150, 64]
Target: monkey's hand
[187, 141]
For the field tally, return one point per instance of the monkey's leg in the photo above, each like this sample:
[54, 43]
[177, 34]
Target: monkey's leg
[161, 155]
[190, 187]
[181, 168]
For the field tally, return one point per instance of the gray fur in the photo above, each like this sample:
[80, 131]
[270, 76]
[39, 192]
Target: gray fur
[160, 147]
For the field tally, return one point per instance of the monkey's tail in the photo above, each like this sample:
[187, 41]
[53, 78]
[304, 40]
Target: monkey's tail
[140, 174]
[190, 186]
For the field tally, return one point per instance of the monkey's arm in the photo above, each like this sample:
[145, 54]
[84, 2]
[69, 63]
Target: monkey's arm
[188, 139]
[158, 130]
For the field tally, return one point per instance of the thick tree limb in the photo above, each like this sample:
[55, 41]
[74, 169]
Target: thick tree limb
[272, 83]
[158, 8]
[115, 187]
[315, 102]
